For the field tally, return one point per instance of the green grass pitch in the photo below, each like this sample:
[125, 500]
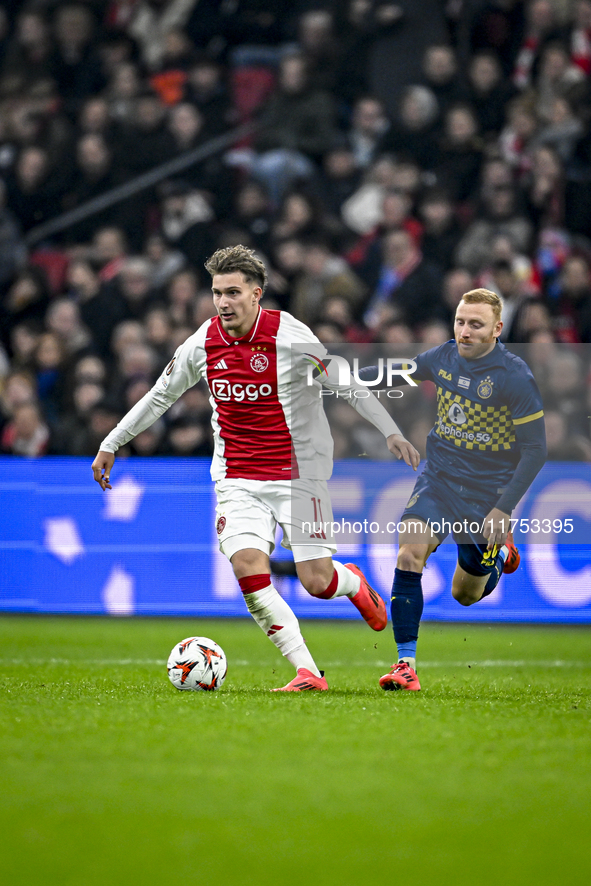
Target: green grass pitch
[109, 776]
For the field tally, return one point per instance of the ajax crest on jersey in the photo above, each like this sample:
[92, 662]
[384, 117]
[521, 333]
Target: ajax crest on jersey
[197, 664]
[259, 362]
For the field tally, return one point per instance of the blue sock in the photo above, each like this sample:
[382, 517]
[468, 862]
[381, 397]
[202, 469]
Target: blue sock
[495, 576]
[406, 610]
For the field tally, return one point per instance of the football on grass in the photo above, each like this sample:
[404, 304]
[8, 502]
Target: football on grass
[198, 664]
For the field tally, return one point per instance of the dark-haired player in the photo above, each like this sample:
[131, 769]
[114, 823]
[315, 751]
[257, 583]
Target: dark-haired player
[272, 454]
[484, 451]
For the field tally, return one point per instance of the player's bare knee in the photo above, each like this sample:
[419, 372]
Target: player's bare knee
[466, 597]
[249, 562]
[410, 560]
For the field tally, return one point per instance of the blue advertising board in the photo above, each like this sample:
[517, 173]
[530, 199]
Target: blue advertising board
[148, 547]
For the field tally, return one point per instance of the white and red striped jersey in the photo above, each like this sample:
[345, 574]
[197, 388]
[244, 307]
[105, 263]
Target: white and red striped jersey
[267, 414]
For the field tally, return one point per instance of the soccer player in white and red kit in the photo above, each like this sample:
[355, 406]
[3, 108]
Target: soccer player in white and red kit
[272, 450]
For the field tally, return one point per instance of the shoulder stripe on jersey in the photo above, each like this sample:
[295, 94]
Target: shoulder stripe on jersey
[526, 418]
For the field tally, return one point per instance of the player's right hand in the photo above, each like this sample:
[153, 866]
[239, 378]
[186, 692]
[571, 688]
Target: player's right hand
[101, 468]
[401, 448]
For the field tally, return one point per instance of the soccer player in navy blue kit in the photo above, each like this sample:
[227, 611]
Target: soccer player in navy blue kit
[484, 451]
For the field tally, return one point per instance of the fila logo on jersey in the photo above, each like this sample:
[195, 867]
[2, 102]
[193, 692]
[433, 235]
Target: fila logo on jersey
[221, 365]
[446, 375]
[222, 389]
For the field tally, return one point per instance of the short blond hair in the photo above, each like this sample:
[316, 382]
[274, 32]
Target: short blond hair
[484, 297]
[238, 259]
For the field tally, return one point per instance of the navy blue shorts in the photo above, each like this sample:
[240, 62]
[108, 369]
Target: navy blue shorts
[450, 508]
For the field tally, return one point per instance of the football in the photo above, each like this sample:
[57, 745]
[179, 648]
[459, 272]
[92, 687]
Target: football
[197, 664]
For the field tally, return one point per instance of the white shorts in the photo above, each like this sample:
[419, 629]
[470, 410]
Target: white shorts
[248, 512]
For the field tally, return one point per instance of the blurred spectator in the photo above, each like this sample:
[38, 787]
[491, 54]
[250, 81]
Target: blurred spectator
[441, 230]
[145, 140]
[563, 130]
[556, 77]
[456, 282]
[165, 262]
[369, 125]
[13, 252]
[188, 436]
[149, 442]
[75, 64]
[488, 92]
[205, 89]
[186, 217]
[460, 154]
[300, 215]
[505, 283]
[561, 444]
[498, 216]
[325, 274]
[100, 308]
[73, 424]
[158, 327]
[101, 419]
[337, 311]
[414, 129]
[435, 333]
[94, 174]
[363, 211]
[571, 310]
[24, 338]
[26, 433]
[28, 56]
[134, 286]
[517, 135]
[26, 300]
[531, 320]
[109, 251]
[544, 189]
[541, 25]
[63, 319]
[19, 388]
[49, 364]
[317, 41]
[407, 287]
[252, 212]
[440, 70]
[340, 177]
[182, 293]
[297, 126]
[395, 214]
[123, 90]
[580, 41]
[31, 189]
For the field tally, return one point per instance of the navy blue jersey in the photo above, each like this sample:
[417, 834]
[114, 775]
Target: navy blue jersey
[479, 404]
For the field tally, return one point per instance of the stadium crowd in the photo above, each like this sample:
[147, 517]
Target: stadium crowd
[401, 154]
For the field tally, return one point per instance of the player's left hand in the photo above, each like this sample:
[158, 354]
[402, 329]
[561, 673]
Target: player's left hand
[401, 448]
[496, 526]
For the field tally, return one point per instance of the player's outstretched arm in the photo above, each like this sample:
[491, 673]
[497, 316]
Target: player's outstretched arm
[101, 468]
[401, 448]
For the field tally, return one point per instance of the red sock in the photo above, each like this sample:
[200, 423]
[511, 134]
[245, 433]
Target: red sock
[331, 590]
[250, 584]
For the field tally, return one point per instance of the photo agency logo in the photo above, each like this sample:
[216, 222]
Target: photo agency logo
[338, 372]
